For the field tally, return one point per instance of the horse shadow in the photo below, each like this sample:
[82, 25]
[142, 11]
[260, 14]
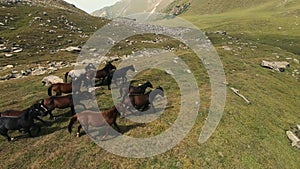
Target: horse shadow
[101, 132]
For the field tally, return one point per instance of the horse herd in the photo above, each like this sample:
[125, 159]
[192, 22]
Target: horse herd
[132, 97]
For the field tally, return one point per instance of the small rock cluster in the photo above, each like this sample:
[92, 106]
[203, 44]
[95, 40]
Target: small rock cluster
[34, 71]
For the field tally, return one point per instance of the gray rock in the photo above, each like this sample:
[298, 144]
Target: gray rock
[8, 55]
[48, 80]
[6, 77]
[38, 72]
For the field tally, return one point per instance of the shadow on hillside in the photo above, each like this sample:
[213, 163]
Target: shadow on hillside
[98, 133]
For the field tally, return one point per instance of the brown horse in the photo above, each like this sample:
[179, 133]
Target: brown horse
[97, 119]
[63, 102]
[142, 101]
[60, 88]
[20, 112]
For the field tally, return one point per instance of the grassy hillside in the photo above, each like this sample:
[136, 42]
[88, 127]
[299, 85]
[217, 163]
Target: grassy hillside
[41, 31]
[248, 136]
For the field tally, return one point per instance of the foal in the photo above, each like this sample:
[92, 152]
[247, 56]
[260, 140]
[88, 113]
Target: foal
[97, 119]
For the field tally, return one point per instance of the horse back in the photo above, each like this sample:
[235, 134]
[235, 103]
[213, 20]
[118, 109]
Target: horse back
[10, 123]
[92, 118]
[63, 101]
[11, 113]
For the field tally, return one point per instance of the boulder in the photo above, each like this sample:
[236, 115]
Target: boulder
[48, 80]
[38, 72]
[278, 66]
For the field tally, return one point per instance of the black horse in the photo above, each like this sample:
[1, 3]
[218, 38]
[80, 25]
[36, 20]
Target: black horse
[24, 121]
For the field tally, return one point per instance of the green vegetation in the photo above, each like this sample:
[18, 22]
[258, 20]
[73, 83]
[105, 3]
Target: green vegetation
[248, 136]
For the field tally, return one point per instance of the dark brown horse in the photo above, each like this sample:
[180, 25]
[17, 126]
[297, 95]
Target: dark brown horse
[20, 112]
[124, 91]
[104, 72]
[142, 101]
[24, 121]
[97, 119]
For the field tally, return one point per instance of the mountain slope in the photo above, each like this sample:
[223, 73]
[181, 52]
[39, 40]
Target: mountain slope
[248, 136]
[41, 29]
[273, 22]
[127, 7]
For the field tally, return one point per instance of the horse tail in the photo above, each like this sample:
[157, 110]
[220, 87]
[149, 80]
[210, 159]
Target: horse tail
[72, 121]
[50, 90]
[66, 77]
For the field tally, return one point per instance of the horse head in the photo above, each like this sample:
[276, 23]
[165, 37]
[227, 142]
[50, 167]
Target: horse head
[148, 84]
[89, 67]
[109, 66]
[43, 108]
[35, 111]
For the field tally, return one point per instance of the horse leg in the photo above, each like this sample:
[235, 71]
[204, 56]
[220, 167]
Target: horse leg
[152, 108]
[51, 115]
[39, 119]
[116, 125]
[78, 130]
[106, 133]
[4, 132]
[27, 129]
[72, 110]
[29, 132]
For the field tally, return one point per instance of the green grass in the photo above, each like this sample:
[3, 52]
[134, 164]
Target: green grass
[248, 136]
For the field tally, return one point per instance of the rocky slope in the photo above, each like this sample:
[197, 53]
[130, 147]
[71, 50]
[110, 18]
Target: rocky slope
[127, 7]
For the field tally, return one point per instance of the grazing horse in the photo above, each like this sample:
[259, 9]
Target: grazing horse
[124, 91]
[24, 121]
[20, 112]
[63, 102]
[142, 101]
[120, 73]
[74, 74]
[97, 119]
